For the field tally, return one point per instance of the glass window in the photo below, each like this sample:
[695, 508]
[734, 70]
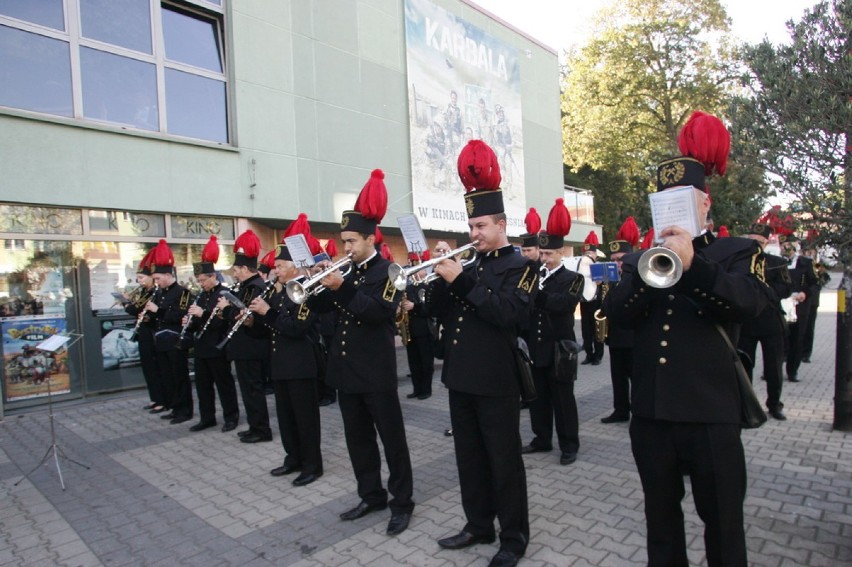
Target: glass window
[21, 219]
[195, 106]
[202, 227]
[46, 13]
[126, 23]
[119, 89]
[191, 39]
[35, 72]
[121, 223]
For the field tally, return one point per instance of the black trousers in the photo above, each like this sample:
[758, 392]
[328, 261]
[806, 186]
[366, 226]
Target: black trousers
[364, 415]
[620, 369]
[712, 455]
[593, 349]
[297, 408]
[795, 346]
[421, 362]
[175, 371]
[772, 347]
[215, 373]
[808, 339]
[554, 401]
[250, 377]
[151, 370]
[491, 471]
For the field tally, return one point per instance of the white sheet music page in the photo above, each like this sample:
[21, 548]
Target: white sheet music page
[53, 343]
[415, 240]
[675, 207]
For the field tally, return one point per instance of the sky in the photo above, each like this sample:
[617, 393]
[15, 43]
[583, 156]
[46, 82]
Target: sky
[563, 23]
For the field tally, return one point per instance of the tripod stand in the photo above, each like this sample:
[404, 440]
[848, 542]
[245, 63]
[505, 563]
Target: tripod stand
[54, 344]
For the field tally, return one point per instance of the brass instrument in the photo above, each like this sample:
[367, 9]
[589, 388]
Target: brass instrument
[601, 326]
[213, 313]
[399, 275]
[299, 292]
[270, 285]
[182, 341]
[143, 301]
[660, 267]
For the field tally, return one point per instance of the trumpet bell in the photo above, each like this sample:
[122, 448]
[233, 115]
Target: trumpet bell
[659, 267]
[398, 276]
[297, 292]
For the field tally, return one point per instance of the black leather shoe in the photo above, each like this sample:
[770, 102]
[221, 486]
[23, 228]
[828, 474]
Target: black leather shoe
[448, 432]
[615, 418]
[305, 478]
[806, 359]
[595, 362]
[567, 458]
[527, 449]
[504, 558]
[244, 433]
[150, 406]
[229, 426]
[157, 409]
[361, 510]
[326, 402]
[424, 396]
[586, 360]
[778, 414]
[793, 377]
[464, 539]
[412, 395]
[398, 523]
[170, 415]
[256, 438]
[179, 419]
[284, 469]
[201, 426]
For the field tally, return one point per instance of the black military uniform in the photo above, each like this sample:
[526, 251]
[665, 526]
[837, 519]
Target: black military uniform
[593, 348]
[293, 366]
[212, 367]
[808, 340]
[157, 389]
[173, 303]
[804, 279]
[248, 348]
[362, 367]
[619, 339]
[421, 346]
[769, 328]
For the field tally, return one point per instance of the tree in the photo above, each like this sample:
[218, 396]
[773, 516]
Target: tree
[799, 111]
[627, 93]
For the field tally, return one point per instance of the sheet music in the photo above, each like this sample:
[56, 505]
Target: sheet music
[53, 343]
[415, 240]
[675, 207]
[297, 245]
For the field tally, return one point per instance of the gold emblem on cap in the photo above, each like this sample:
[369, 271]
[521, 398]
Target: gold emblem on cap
[614, 246]
[543, 239]
[671, 172]
[344, 221]
[469, 205]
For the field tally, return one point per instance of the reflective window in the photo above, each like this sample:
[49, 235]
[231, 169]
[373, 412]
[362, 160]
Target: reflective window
[119, 89]
[191, 39]
[126, 23]
[46, 13]
[195, 106]
[35, 72]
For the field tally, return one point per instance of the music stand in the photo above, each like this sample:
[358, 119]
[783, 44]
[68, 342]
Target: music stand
[55, 344]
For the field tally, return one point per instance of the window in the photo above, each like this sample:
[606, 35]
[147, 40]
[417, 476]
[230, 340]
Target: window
[139, 64]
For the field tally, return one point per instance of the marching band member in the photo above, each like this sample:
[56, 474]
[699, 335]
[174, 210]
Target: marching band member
[593, 348]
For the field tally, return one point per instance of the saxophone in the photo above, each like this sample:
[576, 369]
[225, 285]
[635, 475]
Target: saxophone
[601, 324]
[403, 323]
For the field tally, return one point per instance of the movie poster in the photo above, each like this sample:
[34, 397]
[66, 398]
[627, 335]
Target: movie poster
[27, 371]
[463, 84]
[118, 347]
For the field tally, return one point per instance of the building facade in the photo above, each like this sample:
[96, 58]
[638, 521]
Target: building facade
[126, 121]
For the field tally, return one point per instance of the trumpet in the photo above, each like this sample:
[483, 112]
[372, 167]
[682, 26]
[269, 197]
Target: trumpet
[270, 285]
[399, 275]
[213, 313]
[660, 267]
[134, 336]
[300, 291]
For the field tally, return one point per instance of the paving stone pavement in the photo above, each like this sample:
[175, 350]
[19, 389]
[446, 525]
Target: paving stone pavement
[157, 494]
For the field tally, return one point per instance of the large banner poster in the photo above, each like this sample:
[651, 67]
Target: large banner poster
[27, 370]
[463, 84]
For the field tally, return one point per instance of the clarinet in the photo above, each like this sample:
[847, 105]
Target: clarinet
[270, 285]
[182, 339]
[213, 313]
[134, 336]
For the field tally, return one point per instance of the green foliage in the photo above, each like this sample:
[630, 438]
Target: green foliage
[798, 111]
[627, 93]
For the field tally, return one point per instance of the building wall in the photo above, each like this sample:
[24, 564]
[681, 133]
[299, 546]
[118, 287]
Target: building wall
[318, 99]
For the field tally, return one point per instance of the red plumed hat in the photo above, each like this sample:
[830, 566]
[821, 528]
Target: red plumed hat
[533, 224]
[380, 238]
[425, 256]
[723, 232]
[629, 232]
[331, 248]
[298, 226]
[705, 138]
[246, 250]
[145, 263]
[209, 257]
[479, 172]
[370, 207]
[648, 241]
[314, 245]
[386, 252]
[558, 226]
[591, 242]
[267, 263]
[162, 259]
